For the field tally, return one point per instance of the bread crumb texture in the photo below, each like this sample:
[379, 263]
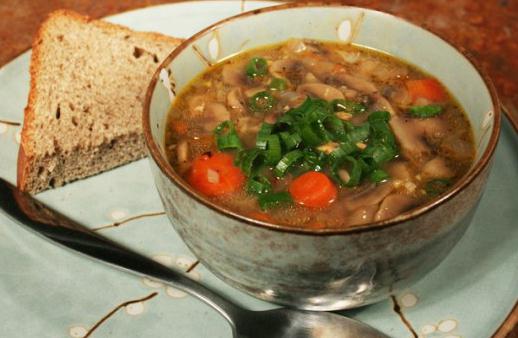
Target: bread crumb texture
[88, 82]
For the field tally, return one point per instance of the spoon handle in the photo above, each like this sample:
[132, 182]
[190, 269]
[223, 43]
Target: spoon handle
[59, 229]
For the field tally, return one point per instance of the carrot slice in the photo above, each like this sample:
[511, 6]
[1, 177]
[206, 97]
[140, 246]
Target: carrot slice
[261, 216]
[313, 190]
[180, 127]
[215, 175]
[429, 89]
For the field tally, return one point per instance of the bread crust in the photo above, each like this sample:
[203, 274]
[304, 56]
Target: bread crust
[26, 155]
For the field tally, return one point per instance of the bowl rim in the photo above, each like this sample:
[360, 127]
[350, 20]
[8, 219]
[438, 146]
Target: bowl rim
[404, 217]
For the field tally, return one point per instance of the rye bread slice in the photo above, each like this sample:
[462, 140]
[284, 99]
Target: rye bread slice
[88, 82]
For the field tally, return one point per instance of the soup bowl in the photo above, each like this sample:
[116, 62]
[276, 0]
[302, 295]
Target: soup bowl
[321, 269]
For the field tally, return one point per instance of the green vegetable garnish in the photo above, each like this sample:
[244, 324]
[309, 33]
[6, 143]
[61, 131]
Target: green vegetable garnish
[226, 136]
[437, 186]
[257, 66]
[261, 102]
[290, 141]
[273, 151]
[258, 185]
[378, 176]
[293, 144]
[274, 199]
[264, 132]
[250, 160]
[277, 84]
[286, 161]
[348, 106]
[425, 111]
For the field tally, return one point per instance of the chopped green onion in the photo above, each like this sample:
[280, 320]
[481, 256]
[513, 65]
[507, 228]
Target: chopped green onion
[348, 106]
[249, 160]
[256, 67]
[290, 141]
[312, 161]
[358, 133]
[264, 132]
[335, 126]
[226, 136]
[258, 185]
[425, 111]
[378, 176]
[309, 137]
[277, 84]
[379, 153]
[273, 152]
[261, 102]
[287, 161]
[354, 169]
[437, 186]
[274, 199]
[344, 149]
[380, 115]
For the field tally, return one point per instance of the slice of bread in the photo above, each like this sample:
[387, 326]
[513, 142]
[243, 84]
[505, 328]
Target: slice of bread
[88, 82]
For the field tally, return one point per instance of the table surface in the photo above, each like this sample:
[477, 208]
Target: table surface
[484, 30]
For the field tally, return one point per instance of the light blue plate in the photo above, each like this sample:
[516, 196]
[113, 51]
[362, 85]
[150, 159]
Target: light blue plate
[48, 292]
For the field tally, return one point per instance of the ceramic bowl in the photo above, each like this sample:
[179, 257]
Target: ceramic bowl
[321, 269]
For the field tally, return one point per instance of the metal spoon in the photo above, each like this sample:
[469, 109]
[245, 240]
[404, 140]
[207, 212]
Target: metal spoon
[245, 323]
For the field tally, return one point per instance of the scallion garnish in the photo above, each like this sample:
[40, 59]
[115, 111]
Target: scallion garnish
[261, 102]
[258, 185]
[378, 176]
[226, 136]
[425, 111]
[257, 66]
[274, 199]
[250, 160]
[290, 141]
[277, 84]
[264, 132]
[287, 161]
[273, 152]
[437, 186]
[348, 106]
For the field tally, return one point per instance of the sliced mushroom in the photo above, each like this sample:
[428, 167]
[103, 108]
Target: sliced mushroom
[410, 140]
[234, 74]
[321, 90]
[433, 128]
[350, 56]
[289, 99]
[322, 69]
[362, 215]
[236, 101]
[310, 78]
[400, 170]
[373, 195]
[456, 147]
[291, 69]
[247, 127]
[215, 113]
[296, 46]
[357, 83]
[182, 151]
[437, 168]
[196, 105]
[400, 96]
[393, 205]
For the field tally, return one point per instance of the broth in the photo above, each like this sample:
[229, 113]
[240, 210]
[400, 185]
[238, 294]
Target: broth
[318, 135]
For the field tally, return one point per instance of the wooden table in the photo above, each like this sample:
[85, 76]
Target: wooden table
[486, 30]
